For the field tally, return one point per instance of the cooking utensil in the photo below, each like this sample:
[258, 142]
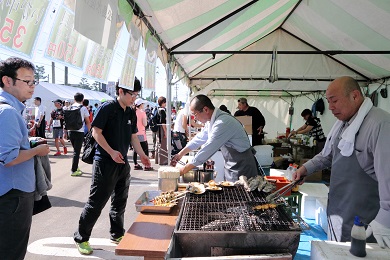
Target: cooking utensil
[273, 197]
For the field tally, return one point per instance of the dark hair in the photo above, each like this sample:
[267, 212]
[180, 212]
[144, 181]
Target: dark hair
[78, 97]
[85, 102]
[10, 66]
[224, 108]
[38, 98]
[306, 112]
[161, 100]
[96, 105]
[201, 101]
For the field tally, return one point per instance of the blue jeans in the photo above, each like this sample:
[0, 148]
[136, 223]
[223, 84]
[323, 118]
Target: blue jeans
[109, 179]
[16, 209]
[77, 139]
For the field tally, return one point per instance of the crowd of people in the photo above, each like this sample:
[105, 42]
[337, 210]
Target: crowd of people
[356, 148]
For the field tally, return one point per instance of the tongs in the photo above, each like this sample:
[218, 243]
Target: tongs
[273, 197]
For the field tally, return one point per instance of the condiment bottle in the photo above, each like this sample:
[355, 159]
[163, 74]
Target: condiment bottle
[358, 238]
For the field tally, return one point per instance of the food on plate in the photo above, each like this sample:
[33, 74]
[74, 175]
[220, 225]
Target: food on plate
[212, 183]
[227, 183]
[197, 188]
[213, 188]
[265, 206]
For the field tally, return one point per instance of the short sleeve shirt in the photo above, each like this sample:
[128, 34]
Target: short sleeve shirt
[117, 126]
[58, 114]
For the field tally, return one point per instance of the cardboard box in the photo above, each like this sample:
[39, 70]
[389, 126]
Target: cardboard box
[246, 121]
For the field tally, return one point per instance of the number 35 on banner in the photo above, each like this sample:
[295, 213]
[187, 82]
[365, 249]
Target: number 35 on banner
[8, 30]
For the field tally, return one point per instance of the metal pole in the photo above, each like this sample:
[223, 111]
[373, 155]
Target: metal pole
[169, 95]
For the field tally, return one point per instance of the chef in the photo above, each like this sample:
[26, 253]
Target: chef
[221, 131]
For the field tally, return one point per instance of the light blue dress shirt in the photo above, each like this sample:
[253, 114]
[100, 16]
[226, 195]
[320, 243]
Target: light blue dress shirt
[14, 137]
[222, 129]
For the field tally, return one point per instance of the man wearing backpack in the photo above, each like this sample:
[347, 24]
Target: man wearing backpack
[76, 136]
[113, 128]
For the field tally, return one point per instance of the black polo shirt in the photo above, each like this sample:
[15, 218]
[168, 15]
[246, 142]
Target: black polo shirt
[118, 125]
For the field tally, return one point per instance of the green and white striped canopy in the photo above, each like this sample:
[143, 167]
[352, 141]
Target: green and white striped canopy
[296, 45]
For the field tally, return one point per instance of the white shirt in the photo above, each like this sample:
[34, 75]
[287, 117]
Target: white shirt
[84, 113]
[178, 127]
[39, 111]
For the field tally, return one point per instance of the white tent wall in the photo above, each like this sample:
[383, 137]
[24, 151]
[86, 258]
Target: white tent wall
[49, 92]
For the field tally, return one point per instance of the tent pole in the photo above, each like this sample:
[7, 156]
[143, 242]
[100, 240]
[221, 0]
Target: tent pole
[169, 110]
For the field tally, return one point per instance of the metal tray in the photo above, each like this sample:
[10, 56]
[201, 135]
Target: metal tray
[144, 204]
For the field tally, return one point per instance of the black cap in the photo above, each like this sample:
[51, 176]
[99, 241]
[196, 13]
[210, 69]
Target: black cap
[57, 101]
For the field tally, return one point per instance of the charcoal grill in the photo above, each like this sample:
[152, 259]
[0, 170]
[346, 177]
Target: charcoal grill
[225, 223]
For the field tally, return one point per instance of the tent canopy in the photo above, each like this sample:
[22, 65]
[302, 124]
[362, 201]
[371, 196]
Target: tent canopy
[271, 45]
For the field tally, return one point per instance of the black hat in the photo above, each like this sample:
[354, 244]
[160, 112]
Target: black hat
[57, 101]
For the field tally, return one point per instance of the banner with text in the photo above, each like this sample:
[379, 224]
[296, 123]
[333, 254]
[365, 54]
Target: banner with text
[150, 63]
[130, 64]
[20, 24]
[99, 21]
[65, 44]
[99, 62]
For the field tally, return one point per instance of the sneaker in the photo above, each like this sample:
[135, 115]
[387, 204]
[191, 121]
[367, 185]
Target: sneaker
[116, 240]
[65, 150]
[84, 248]
[57, 153]
[148, 168]
[77, 173]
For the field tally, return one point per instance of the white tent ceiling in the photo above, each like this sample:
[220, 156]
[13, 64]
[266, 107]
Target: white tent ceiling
[316, 41]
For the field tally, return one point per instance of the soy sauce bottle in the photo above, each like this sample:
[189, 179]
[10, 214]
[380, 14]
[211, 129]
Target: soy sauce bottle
[358, 238]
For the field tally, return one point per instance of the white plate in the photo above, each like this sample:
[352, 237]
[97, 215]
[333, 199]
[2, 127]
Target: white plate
[215, 188]
[227, 184]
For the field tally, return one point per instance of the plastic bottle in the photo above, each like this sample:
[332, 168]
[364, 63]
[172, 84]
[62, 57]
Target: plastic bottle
[358, 238]
[289, 171]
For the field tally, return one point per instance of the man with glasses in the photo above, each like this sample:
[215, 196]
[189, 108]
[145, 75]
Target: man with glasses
[17, 176]
[221, 131]
[114, 127]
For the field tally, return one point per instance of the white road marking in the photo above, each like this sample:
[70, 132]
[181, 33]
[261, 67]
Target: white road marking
[65, 246]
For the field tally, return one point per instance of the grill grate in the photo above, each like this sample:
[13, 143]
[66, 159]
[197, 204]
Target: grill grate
[232, 210]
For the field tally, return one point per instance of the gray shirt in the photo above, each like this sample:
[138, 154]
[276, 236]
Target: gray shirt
[372, 148]
[222, 129]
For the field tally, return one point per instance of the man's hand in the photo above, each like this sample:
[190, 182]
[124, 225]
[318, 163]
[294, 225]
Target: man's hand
[145, 160]
[117, 157]
[301, 171]
[42, 149]
[380, 232]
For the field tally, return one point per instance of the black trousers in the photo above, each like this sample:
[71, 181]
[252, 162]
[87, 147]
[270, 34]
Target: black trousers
[41, 129]
[76, 138]
[144, 146]
[109, 179]
[16, 209]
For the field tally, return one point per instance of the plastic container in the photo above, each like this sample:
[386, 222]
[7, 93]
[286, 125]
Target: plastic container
[358, 239]
[289, 172]
[280, 182]
[168, 184]
[264, 154]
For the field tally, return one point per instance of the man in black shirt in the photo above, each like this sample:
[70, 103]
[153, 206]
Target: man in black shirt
[258, 121]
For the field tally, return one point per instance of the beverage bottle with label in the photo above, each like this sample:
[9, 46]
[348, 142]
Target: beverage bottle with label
[289, 171]
[358, 238]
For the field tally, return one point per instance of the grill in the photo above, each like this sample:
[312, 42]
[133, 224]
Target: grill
[224, 223]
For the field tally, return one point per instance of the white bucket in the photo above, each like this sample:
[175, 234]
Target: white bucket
[264, 154]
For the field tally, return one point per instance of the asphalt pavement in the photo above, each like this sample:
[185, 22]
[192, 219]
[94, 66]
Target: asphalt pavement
[52, 230]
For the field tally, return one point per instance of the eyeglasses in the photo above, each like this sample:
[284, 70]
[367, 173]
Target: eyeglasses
[28, 82]
[131, 93]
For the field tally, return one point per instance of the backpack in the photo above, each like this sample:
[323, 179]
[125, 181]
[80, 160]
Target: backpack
[72, 119]
[89, 148]
[154, 120]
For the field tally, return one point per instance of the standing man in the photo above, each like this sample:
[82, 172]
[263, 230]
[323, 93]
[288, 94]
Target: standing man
[221, 131]
[76, 137]
[357, 149]
[57, 122]
[40, 117]
[17, 176]
[113, 128]
[162, 132]
[258, 121]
